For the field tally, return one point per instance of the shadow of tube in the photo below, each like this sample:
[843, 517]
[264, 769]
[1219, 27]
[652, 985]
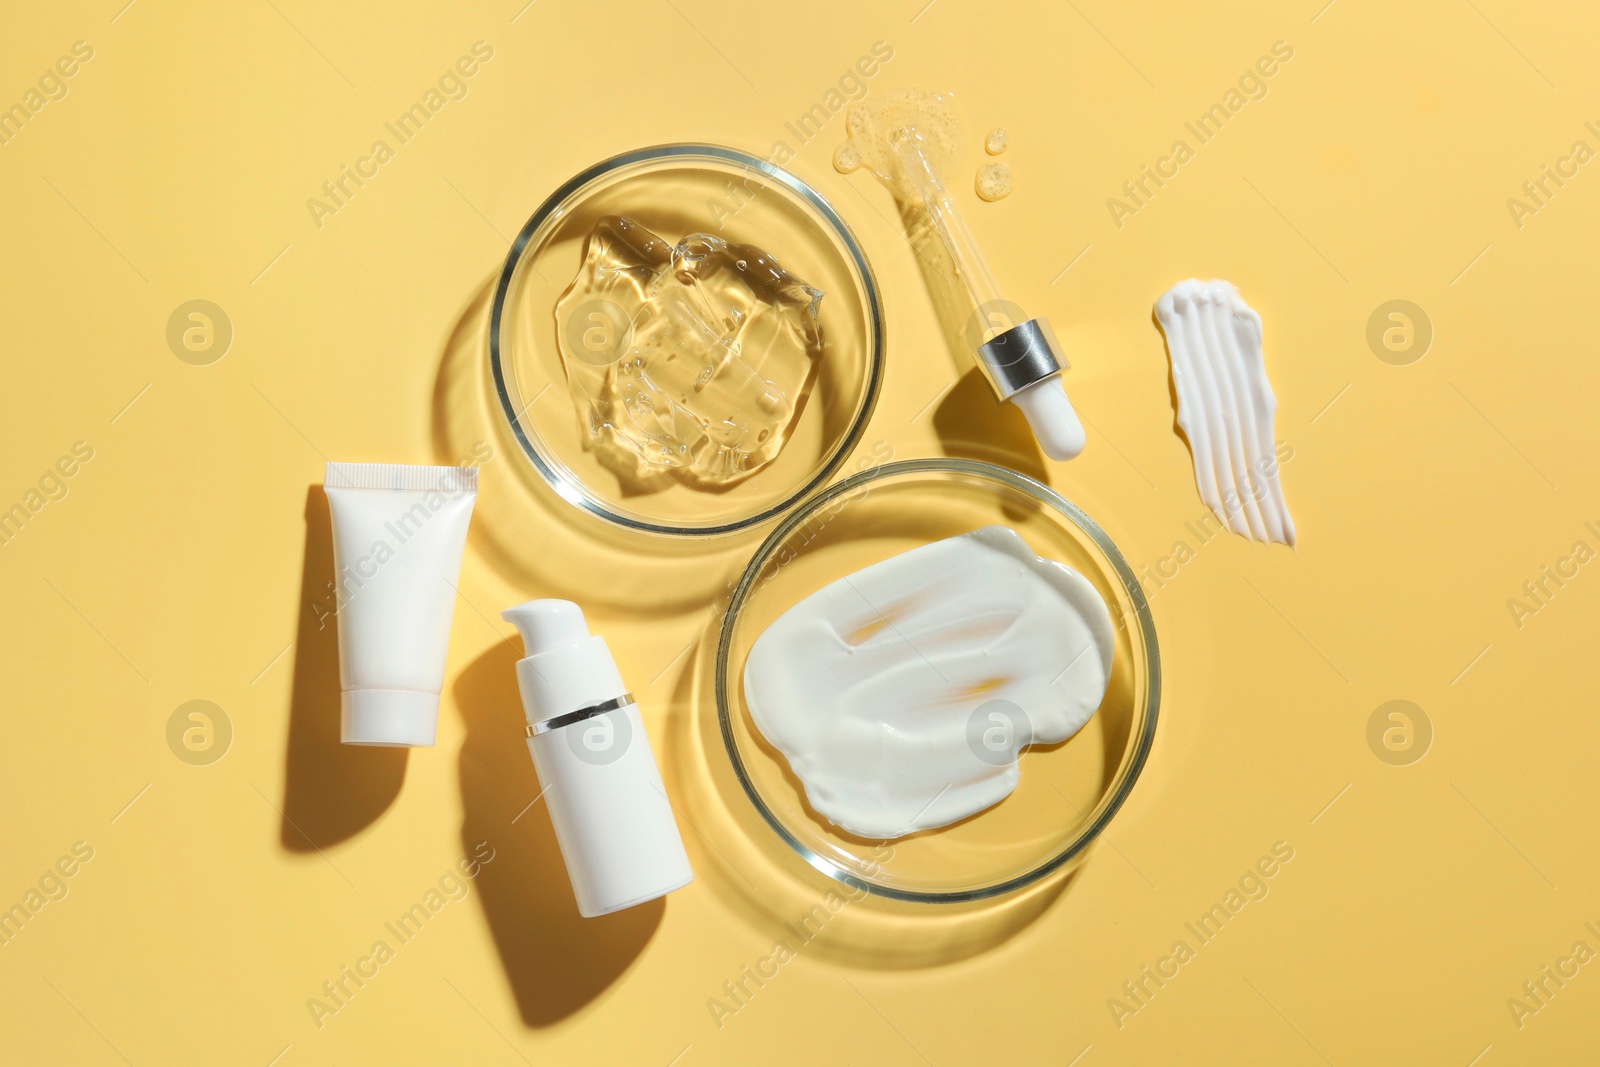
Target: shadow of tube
[331, 791]
[555, 960]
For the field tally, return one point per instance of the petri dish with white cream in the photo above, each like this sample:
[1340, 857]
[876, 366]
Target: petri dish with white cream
[1050, 786]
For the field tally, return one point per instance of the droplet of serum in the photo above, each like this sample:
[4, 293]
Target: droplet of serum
[846, 158]
[994, 181]
[996, 142]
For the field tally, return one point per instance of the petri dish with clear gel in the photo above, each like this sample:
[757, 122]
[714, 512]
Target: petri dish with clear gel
[675, 191]
[1068, 793]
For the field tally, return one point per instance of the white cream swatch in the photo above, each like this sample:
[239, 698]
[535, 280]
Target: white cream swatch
[1226, 406]
[883, 689]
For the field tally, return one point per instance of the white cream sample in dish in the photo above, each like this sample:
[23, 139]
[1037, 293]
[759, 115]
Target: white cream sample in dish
[903, 694]
[1226, 406]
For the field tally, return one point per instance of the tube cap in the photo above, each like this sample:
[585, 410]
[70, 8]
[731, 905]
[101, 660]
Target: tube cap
[393, 718]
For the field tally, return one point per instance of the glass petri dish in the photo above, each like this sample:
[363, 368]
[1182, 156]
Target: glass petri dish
[1068, 792]
[676, 190]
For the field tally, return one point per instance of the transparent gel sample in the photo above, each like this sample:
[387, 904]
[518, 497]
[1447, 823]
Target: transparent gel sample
[994, 181]
[902, 127]
[689, 361]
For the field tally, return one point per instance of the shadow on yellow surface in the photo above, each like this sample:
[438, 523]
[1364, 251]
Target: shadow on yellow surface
[556, 960]
[331, 791]
[972, 424]
[645, 575]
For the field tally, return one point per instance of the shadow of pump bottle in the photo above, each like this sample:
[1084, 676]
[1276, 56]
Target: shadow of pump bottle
[555, 960]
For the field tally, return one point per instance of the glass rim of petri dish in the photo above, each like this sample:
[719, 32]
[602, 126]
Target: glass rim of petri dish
[555, 208]
[1140, 740]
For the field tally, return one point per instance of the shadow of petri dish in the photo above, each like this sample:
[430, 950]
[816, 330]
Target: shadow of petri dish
[532, 536]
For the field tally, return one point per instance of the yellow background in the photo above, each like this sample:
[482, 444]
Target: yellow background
[182, 562]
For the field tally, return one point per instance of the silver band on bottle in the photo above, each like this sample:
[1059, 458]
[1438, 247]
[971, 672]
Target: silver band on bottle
[1021, 356]
[556, 722]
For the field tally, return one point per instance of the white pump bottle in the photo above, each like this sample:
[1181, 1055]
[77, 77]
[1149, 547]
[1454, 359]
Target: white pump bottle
[609, 808]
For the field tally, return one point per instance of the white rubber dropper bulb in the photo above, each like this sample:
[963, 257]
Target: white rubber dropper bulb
[1055, 424]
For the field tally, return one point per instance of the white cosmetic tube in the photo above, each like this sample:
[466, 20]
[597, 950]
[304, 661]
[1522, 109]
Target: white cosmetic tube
[398, 534]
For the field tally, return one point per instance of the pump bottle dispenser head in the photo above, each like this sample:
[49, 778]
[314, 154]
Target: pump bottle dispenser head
[566, 674]
[599, 778]
[547, 624]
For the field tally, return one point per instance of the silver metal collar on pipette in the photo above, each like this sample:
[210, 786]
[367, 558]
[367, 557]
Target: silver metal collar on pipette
[1019, 357]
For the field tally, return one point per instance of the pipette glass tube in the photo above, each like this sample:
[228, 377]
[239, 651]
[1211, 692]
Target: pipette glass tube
[1020, 357]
